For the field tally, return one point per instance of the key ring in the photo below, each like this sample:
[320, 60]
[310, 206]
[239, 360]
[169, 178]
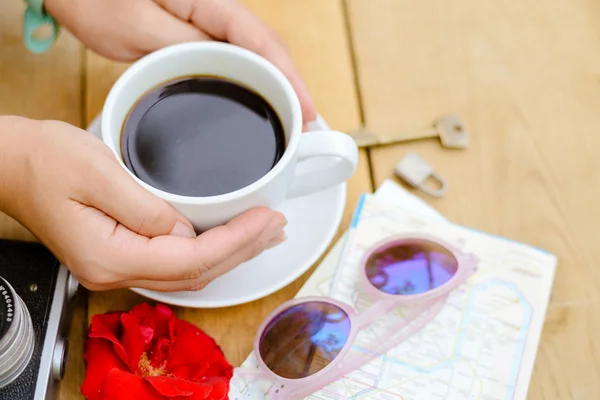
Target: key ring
[36, 17]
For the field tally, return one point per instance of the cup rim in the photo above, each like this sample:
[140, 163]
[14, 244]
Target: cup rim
[278, 77]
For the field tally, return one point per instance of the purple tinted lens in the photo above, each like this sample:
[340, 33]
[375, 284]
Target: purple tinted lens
[410, 267]
[304, 339]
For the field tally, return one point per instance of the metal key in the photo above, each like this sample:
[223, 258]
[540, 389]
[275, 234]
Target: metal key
[449, 128]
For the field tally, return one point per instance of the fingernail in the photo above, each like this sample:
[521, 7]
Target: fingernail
[181, 229]
[283, 223]
[277, 240]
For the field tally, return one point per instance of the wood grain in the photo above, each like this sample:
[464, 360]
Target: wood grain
[525, 77]
[315, 32]
[46, 86]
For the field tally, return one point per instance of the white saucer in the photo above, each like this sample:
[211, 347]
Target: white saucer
[313, 221]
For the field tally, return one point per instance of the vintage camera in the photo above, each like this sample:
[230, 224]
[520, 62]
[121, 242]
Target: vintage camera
[36, 294]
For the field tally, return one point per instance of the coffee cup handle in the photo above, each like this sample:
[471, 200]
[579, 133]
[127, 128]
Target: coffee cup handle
[337, 158]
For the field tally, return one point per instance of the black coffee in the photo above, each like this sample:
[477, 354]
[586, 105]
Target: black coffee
[201, 136]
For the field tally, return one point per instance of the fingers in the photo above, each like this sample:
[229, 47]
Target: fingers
[230, 21]
[122, 30]
[249, 252]
[119, 196]
[169, 258]
[157, 28]
[107, 255]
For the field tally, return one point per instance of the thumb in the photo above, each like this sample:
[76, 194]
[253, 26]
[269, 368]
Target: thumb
[123, 199]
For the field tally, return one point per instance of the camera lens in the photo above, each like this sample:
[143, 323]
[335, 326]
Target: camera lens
[16, 334]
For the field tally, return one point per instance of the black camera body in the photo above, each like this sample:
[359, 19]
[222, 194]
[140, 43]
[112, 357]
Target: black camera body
[36, 294]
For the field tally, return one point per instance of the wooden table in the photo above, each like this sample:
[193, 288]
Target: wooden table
[524, 75]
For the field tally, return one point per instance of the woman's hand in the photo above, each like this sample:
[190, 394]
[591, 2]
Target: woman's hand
[125, 30]
[69, 190]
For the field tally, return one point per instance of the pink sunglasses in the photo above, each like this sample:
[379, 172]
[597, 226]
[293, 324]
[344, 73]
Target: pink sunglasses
[304, 344]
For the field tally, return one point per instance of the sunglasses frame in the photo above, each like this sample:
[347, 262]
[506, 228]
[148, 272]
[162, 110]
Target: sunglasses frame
[382, 304]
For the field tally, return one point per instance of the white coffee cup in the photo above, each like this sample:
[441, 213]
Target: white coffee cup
[336, 153]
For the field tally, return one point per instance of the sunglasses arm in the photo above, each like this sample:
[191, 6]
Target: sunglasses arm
[377, 310]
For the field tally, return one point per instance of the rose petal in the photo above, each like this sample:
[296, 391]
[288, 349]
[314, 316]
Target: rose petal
[133, 340]
[220, 391]
[195, 354]
[121, 385]
[189, 349]
[164, 311]
[109, 321]
[178, 327]
[187, 337]
[100, 359]
[173, 387]
[182, 372]
[108, 326]
[158, 317]
[158, 353]
[220, 388]
[147, 334]
[216, 365]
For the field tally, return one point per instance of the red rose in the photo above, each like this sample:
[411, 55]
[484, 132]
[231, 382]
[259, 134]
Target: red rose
[149, 354]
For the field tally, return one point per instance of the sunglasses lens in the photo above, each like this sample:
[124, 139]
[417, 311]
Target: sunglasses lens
[304, 339]
[410, 267]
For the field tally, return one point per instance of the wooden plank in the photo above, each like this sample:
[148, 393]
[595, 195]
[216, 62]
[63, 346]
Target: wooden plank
[315, 33]
[523, 76]
[46, 86]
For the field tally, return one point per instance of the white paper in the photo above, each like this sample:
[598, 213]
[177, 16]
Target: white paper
[483, 343]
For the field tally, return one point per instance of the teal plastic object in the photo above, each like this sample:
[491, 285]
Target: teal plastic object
[36, 17]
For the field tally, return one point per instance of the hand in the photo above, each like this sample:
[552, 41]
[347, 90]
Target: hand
[125, 30]
[69, 190]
